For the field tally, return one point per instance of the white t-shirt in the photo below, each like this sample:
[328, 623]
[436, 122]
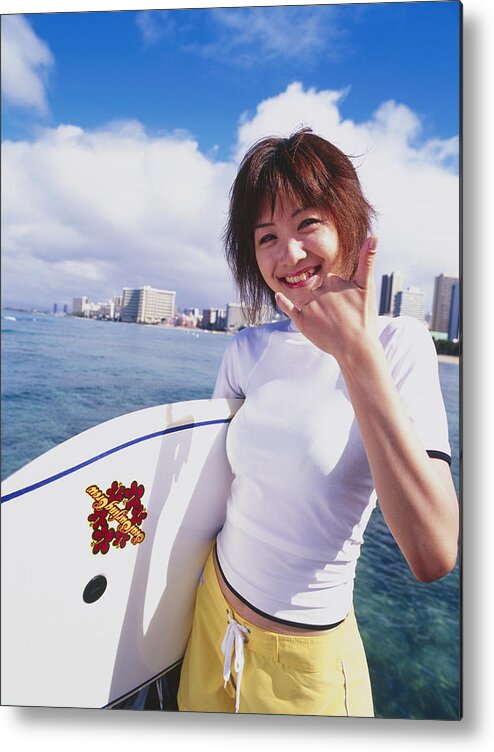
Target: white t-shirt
[302, 492]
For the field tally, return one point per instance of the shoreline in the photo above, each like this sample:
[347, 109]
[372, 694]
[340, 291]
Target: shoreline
[449, 359]
[194, 329]
[442, 358]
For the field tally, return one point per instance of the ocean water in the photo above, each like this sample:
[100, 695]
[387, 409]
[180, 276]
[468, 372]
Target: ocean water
[62, 375]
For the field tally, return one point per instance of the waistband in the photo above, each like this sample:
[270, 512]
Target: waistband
[288, 649]
[285, 622]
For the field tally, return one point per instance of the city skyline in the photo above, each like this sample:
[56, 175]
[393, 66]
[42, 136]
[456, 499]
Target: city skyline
[395, 299]
[105, 181]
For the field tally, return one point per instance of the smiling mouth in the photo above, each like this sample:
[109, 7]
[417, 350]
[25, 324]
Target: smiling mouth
[301, 277]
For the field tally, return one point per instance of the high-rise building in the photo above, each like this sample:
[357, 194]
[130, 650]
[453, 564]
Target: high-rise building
[106, 310]
[410, 302]
[391, 284]
[213, 318]
[441, 304]
[147, 305]
[117, 307]
[80, 305]
[130, 304]
[454, 314]
[195, 312]
[209, 316]
[235, 316]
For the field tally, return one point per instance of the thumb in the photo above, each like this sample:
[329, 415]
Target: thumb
[364, 276]
[287, 307]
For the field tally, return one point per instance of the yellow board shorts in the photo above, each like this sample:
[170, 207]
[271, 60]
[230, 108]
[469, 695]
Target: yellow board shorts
[267, 672]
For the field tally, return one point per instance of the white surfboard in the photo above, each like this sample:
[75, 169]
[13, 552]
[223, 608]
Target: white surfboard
[103, 542]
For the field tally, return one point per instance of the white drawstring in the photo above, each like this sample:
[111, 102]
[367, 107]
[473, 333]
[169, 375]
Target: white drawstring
[234, 638]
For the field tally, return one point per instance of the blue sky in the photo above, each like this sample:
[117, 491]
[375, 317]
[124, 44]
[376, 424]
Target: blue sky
[192, 69]
[380, 79]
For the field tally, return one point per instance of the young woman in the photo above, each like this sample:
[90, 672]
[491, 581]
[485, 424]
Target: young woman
[341, 407]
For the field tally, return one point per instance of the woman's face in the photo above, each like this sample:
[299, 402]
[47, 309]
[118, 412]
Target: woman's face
[295, 247]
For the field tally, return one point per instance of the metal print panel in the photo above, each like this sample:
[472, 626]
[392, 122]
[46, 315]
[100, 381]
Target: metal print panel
[119, 153]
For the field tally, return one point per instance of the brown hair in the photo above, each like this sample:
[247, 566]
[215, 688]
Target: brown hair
[304, 169]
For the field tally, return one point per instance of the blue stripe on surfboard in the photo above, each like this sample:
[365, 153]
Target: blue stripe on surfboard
[118, 448]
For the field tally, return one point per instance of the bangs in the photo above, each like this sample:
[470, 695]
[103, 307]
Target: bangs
[289, 178]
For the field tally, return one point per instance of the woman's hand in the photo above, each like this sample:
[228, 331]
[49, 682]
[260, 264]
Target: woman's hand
[341, 316]
[416, 494]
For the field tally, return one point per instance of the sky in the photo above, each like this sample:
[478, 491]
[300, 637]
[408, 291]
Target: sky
[122, 132]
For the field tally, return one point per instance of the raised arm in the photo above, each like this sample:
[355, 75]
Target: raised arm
[416, 493]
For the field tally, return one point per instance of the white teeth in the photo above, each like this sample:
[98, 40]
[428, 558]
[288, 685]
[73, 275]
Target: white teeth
[300, 277]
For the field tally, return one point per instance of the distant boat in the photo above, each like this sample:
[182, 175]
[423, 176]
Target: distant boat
[10, 318]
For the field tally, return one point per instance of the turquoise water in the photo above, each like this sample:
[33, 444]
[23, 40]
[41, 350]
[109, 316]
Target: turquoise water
[411, 630]
[61, 376]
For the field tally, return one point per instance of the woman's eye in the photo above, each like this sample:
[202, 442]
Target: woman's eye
[308, 221]
[266, 238]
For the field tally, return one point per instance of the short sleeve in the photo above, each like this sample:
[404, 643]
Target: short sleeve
[228, 381]
[415, 371]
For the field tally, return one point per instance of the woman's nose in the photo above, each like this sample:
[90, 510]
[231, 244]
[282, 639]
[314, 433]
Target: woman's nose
[293, 250]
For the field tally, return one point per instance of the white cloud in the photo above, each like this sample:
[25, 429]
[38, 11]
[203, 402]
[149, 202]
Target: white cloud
[91, 212]
[413, 184]
[284, 113]
[154, 25]
[250, 35]
[26, 62]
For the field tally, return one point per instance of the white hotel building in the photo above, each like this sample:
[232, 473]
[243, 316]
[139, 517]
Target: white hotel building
[410, 302]
[147, 305]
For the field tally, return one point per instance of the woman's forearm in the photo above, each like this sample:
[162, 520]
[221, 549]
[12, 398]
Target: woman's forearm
[416, 494]
[416, 497]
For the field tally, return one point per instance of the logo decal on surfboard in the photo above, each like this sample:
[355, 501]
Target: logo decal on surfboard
[117, 516]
